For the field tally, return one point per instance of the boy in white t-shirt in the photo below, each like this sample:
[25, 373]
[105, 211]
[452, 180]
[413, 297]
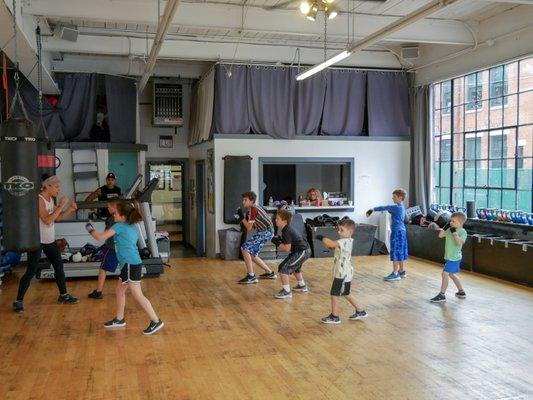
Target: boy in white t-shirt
[342, 272]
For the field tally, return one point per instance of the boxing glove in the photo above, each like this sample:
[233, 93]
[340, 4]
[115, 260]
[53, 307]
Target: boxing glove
[89, 227]
[276, 240]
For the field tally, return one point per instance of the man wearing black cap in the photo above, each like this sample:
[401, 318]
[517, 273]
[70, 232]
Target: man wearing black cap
[105, 193]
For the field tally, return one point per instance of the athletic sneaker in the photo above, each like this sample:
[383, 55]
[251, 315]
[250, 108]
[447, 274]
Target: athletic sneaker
[67, 299]
[440, 298]
[115, 323]
[392, 277]
[95, 294]
[461, 294]
[358, 315]
[249, 279]
[299, 288]
[268, 275]
[283, 294]
[403, 275]
[331, 319]
[18, 307]
[154, 327]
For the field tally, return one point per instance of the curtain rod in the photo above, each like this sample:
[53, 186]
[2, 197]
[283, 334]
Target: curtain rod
[304, 65]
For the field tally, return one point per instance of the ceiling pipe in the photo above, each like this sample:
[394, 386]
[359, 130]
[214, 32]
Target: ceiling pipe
[160, 35]
[375, 37]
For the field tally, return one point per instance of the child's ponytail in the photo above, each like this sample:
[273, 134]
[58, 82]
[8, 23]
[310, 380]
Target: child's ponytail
[130, 210]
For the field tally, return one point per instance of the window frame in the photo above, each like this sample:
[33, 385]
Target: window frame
[456, 184]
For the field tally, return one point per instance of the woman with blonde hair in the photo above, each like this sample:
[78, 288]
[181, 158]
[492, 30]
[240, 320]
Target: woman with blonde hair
[49, 213]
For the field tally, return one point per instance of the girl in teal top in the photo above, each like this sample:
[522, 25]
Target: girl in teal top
[126, 234]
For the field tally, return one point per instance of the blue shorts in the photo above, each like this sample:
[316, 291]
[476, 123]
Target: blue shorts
[452, 267]
[399, 250]
[109, 260]
[256, 242]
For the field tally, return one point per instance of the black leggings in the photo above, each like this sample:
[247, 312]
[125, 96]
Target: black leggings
[52, 252]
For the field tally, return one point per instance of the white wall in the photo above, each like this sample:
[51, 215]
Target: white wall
[150, 134]
[380, 167]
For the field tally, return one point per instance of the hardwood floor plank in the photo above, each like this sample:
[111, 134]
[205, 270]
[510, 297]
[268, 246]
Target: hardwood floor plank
[229, 341]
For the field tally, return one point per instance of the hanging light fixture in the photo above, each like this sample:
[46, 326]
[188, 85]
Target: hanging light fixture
[310, 10]
[331, 11]
[311, 14]
[305, 7]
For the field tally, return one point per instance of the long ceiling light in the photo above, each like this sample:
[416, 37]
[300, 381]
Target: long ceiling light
[324, 65]
[375, 37]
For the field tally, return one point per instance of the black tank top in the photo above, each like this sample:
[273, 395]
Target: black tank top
[107, 194]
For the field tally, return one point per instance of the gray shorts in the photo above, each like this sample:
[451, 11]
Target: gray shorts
[294, 261]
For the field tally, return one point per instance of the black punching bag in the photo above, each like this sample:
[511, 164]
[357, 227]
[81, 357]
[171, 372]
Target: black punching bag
[21, 183]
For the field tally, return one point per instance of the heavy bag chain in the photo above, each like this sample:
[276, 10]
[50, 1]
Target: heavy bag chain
[17, 95]
[40, 84]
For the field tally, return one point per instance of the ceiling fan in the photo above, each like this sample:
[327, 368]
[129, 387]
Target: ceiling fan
[283, 3]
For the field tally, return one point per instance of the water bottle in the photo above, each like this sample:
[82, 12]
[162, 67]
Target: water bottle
[270, 202]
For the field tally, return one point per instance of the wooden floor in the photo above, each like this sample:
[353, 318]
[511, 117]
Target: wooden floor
[227, 341]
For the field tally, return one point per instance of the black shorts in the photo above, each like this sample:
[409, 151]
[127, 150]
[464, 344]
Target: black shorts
[340, 287]
[293, 262]
[131, 273]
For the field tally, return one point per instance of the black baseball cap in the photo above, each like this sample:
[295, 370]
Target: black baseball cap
[111, 176]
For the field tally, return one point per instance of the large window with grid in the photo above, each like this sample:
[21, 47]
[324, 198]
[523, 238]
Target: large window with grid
[482, 126]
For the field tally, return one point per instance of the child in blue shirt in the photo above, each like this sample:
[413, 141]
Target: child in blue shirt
[398, 236]
[126, 215]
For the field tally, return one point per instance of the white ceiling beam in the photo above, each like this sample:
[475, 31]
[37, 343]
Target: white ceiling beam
[209, 51]
[213, 16]
[162, 30]
[26, 43]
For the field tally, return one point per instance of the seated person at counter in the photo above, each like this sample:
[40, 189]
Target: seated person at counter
[107, 192]
[314, 197]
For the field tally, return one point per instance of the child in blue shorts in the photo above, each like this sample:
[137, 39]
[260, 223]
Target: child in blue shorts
[455, 236]
[256, 219]
[398, 237]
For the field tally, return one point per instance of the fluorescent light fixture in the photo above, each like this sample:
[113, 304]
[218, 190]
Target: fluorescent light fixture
[329, 1]
[324, 65]
[305, 7]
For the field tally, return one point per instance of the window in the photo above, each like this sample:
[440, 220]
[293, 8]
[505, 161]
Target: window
[520, 154]
[488, 155]
[498, 86]
[498, 143]
[446, 99]
[472, 151]
[474, 90]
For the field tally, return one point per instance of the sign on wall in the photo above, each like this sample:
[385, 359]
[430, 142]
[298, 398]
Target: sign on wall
[165, 142]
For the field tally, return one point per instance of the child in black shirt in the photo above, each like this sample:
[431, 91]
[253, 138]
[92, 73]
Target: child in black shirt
[299, 249]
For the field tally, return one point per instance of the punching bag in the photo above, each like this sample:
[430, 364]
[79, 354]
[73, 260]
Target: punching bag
[21, 184]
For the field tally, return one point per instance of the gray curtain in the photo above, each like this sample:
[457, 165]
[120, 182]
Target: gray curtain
[387, 101]
[420, 178]
[74, 115]
[309, 104]
[78, 106]
[121, 97]
[201, 117]
[271, 93]
[269, 100]
[231, 100]
[344, 104]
